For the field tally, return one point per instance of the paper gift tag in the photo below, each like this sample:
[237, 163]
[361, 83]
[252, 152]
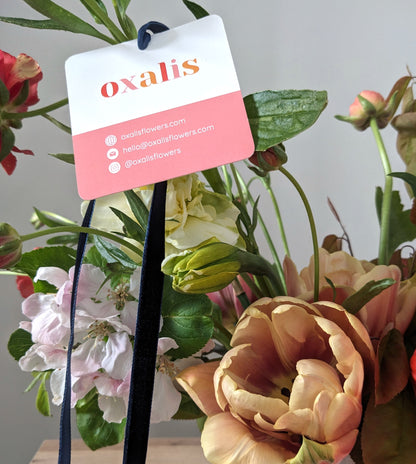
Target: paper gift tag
[143, 116]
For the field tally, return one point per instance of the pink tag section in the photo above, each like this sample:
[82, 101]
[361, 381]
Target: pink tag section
[162, 146]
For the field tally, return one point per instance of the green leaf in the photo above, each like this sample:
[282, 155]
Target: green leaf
[62, 257]
[276, 116]
[91, 11]
[312, 452]
[42, 398]
[52, 219]
[4, 94]
[23, 94]
[187, 409]
[112, 254]
[407, 177]
[94, 429]
[57, 123]
[187, 319]
[19, 342]
[94, 257]
[121, 6]
[394, 367]
[35, 23]
[132, 227]
[138, 208]
[215, 181]
[66, 20]
[389, 430]
[400, 229]
[66, 157]
[366, 293]
[7, 142]
[195, 9]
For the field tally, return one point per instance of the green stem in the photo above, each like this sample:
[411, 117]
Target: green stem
[268, 238]
[222, 334]
[227, 183]
[267, 186]
[105, 19]
[238, 184]
[79, 229]
[40, 111]
[383, 251]
[312, 227]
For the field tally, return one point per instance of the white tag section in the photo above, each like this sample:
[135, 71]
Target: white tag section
[142, 116]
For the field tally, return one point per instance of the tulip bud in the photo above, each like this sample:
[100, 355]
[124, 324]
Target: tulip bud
[212, 266]
[10, 246]
[269, 160]
[208, 268]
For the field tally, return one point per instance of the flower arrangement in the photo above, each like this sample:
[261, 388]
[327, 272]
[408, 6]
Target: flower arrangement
[276, 365]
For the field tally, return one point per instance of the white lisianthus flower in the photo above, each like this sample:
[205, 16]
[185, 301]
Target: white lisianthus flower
[193, 214]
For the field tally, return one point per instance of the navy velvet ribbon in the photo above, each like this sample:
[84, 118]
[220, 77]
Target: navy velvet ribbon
[147, 326]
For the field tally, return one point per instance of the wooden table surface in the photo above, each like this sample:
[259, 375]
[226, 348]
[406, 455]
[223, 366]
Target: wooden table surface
[161, 451]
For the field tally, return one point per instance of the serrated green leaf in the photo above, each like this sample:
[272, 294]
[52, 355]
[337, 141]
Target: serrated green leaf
[132, 227]
[59, 256]
[95, 431]
[187, 319]
[7, 141]
[67, 20]
[42, 398]
[401, 229]
[112, 254]
[366, 293]
[65, 157]
[138, 208]
[19, 342]
[276, 116]
[187, 409]
[195, 9]
[94, 257]
[389, 430]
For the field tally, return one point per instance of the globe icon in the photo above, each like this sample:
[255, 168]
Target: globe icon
[110, 140]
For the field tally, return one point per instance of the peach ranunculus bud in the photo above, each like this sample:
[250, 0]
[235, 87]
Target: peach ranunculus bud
[290, 386]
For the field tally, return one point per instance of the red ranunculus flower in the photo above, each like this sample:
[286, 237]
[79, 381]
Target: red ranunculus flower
[17, 97]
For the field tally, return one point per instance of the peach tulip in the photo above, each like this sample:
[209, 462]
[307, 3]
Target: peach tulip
[290, 385]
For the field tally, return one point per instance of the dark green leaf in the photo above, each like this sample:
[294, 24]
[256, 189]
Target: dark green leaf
[91, 11]
[19, 342]
[276, 116]
[59, 256]
[389, 430]
[67, 20]
[23, 94]
[187, 319]
[407, 177]
[187, 409]
[138, 208]
[7, 142]
[133, 229]
[66, 157]
[94, 257]
[69, 239]
[195, 9]
[95, 431]
[42, 398]
[112, 254]
[394, 367]
[371, 289]
[401, 228]
[57, 123]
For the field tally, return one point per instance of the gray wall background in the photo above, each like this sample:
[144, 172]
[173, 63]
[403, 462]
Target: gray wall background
[342, 47]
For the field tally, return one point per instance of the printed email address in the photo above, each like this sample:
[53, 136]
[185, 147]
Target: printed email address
[169, 138]
[149, 130]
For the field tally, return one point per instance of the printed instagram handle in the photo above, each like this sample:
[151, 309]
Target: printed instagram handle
[147, 325]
